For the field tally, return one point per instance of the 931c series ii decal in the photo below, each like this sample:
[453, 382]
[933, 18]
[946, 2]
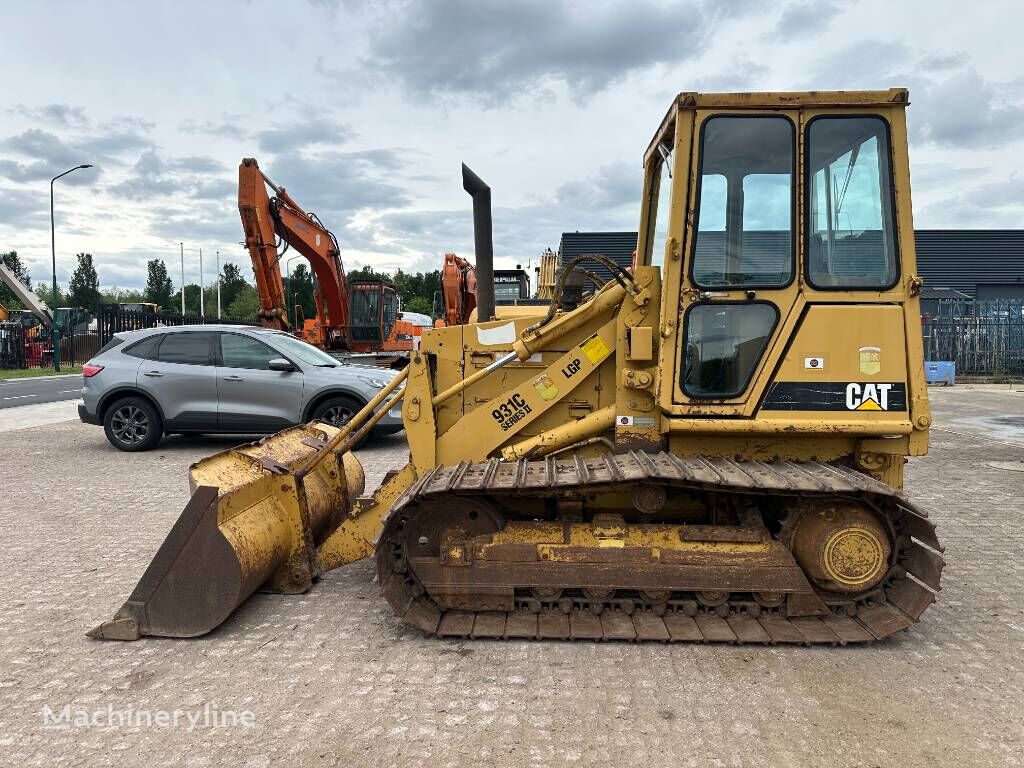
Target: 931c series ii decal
[836, 396]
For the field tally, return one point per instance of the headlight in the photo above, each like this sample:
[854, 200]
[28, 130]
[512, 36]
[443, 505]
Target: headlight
[375, 383]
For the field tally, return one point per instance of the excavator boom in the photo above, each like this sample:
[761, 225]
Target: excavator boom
[266, 218]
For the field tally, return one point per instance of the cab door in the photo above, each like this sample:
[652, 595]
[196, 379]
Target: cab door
[739, 287]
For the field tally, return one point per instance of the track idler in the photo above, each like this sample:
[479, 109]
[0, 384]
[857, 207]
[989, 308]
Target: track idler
[254, 521]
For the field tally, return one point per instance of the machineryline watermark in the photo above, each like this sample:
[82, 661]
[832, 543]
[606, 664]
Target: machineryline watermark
[66, 718]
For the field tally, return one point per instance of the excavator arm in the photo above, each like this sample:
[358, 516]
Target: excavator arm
[458, 289]
[266, 218]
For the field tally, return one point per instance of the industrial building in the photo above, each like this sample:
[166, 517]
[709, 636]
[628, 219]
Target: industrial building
[960, 264]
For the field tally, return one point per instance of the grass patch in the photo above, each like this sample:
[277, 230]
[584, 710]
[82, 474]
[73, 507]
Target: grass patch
[29, 373]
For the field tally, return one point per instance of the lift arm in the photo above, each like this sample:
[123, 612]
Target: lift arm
[266, 218]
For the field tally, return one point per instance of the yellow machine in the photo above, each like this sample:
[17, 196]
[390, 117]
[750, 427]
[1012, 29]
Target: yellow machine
[711, 448]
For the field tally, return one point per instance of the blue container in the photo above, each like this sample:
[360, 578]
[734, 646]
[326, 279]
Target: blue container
[940, 372]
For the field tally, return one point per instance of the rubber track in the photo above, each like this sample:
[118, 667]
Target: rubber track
[894, 608]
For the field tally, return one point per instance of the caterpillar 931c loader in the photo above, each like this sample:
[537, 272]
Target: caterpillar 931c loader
[710, 448]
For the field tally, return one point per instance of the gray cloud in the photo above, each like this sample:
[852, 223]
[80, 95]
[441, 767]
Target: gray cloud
[336, 184]
[495, 51]
[48, 154]
[803, 18]
[305, 132]
[148, 178]
[965, 110]
[989, 204]
[191, 176]
[229, 127]
[21, 208]
[64, 115]
[609, 199]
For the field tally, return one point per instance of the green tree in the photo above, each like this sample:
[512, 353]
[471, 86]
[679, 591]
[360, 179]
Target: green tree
[298, 289]
[159, 288]
[418, 304]
[245, 305]
[45, 292]
[231, 284]
[115, 295]
[84, 288]
[368, 273]
[13, 263]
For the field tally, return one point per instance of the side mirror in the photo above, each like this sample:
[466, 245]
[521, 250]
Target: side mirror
[280, 364]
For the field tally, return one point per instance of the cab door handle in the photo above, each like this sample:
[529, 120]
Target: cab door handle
[233, 378]
[154, 374]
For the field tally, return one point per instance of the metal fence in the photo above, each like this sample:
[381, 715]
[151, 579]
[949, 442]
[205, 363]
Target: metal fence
[983, 338]
[115, 319]
[31, 346]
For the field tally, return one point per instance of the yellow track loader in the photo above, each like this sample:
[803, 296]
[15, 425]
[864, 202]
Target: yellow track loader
[710, 448]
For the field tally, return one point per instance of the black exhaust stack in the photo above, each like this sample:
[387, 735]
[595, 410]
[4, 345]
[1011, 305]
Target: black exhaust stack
[482, 242]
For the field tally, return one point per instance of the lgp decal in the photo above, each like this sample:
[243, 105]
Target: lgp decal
[867, 397]
[573, 367]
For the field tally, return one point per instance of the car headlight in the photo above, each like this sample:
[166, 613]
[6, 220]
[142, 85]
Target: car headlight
[375, 383]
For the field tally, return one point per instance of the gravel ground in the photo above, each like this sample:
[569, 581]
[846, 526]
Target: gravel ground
[331, 678]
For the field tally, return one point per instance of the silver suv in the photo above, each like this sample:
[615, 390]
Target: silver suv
[220, 379]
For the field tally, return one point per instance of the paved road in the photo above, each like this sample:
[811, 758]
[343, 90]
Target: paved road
[18, 392]
[333, 678]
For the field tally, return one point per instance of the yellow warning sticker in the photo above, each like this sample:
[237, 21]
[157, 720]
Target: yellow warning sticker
[595, 349]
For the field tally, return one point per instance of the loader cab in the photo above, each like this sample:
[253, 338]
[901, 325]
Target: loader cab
[767, 223]
[373, 313]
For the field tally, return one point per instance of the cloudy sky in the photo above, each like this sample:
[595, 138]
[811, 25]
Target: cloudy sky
[365, 110]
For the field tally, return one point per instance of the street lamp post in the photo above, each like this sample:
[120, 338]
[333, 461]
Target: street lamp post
[202, 308]
[291, 289]
[53, 256]
[182, 279]
[218, 285]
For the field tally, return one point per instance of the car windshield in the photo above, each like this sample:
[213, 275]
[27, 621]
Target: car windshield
[303, 352]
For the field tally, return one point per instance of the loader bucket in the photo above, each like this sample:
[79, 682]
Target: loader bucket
[256, 515]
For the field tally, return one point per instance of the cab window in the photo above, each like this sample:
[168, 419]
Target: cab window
[745, 203]
[660, 203]
[851, 239]
[724, 343]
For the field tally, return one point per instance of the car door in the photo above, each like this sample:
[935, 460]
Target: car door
[183, 380]
[253, 398]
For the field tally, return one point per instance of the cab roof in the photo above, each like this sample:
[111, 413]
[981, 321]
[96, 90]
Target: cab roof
[690, 100]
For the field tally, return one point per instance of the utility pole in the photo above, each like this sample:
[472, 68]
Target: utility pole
[182, 278]
[53, 255]
[202, 309]
[218, 285]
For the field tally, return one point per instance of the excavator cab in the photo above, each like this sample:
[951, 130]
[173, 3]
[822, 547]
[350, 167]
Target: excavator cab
[709, 448]
[372, 314]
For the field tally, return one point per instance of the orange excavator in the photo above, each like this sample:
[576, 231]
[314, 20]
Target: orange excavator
[359, 316]
[458, 292]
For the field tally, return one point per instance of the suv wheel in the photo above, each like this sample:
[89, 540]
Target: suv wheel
[338, 411]
[132, 424]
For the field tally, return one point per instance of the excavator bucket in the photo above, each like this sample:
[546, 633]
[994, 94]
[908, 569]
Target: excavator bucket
[256, 516]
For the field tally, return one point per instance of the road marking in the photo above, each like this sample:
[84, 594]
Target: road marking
[18, 397]
[65, 391]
